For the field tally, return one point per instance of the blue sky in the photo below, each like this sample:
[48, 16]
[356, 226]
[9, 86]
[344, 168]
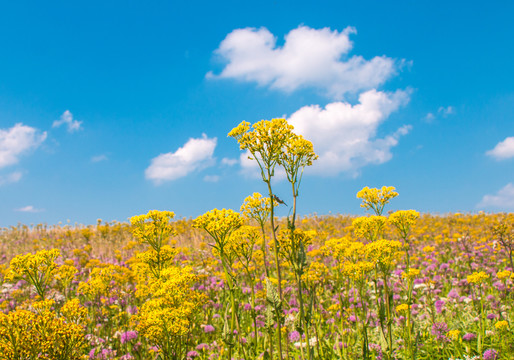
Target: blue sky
[111, 108]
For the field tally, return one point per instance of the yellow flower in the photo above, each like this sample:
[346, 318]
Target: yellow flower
[477, 278]
[369, 227]
[265, 142]
[503, 274]
[153, 228]
[403, 220]
[256, 207]
[219, 224]
[357, 271]
[376, 199]
[402, 308]
[411, 274]
[428, 249]
[454, 334]
[383, 252]
[36, 269]
[297, 154]
[502, 324]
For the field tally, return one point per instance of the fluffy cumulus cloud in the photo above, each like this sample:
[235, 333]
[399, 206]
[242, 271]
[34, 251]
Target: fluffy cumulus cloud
[502, 200]
[345, 135]
[16, 141]
[67, 119]
[503, 150]
[309, 58]
[196, 154]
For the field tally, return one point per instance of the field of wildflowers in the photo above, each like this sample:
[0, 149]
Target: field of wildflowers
[248, 285]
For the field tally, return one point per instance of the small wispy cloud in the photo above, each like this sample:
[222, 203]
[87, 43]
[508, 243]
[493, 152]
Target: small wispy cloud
[502, 200]
[503, 150]
[29, 209]
[211, 178]
[443, 111]
[10, 178]
[229, 162]
[67, 119]
[99, 158]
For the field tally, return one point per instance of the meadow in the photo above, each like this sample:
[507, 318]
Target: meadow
[247, 285]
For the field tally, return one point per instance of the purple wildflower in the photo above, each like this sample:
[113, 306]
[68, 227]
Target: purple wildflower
[294, 336]
[490, 354]
[469, 337]
[128, 336]
[439, 330]
[208, 328]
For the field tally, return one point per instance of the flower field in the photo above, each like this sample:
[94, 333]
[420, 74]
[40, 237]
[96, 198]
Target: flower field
[248, 285]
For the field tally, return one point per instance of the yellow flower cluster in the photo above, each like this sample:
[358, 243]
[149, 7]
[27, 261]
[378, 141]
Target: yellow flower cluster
[357, 271]
[289, 243]
[402, 308]
[502, 324]
[171, 312]
[453, 335]
[343, 249]
[375, 199]
[41, 335]
[477, 278]
[256, 207]
[65, 274]
[316, 274]
[503, 274]
[265, 140]
[298, 153]
[241, 243]
[36, 268]
[157, 261]
[103, 281]
[74, 312]
[428, 249]
[383, 252]
[410, 274]
[153, 228]
[219, 224]
[369, 227]
[403, 220]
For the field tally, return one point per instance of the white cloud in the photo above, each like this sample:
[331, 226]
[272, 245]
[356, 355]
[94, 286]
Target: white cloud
[16, 141]
[429, 117]
[441, 112]
[211, 178]
[10, 178]
[67, 119]
[228, 162]
[29, 209]
[99, 158]
[309, 58]
[194, 155]
[344, 135]
[503, 150]
[445, 111]
[503, 199]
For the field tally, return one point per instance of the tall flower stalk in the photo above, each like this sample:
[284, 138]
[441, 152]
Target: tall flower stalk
[265, 144]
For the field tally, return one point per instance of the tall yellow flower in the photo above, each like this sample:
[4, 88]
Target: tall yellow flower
[265, 142]
[376, 199]
[219, 224]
